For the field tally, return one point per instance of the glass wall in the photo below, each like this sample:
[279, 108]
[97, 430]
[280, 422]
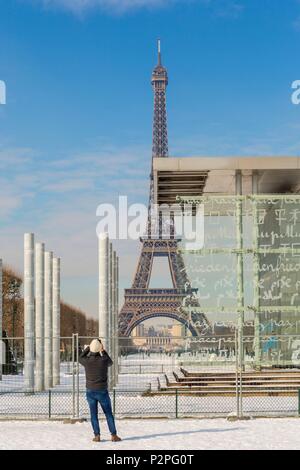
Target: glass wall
[247, 272]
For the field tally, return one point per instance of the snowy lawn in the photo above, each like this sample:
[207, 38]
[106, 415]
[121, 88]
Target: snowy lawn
[182, 434]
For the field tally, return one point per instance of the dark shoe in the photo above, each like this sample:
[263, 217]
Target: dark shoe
[96, 439]
[115, 438]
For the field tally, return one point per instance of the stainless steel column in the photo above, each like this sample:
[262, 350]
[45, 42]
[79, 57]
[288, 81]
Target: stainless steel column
[29, 311]
[110, 316]
[48, 320]
[56, 321]
[103, 287]
[113, 319]
[1, 321]
[117, 321]
[40, 315]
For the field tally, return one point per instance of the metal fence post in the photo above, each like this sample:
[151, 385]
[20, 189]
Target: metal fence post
[176, 403]
[114, 401]
[49, 404]
[241, 364]
[73, 375]
[299, 402]
[77, 376]
[237, 375]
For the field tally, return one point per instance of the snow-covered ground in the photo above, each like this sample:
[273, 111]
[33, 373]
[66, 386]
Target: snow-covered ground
[156, 435]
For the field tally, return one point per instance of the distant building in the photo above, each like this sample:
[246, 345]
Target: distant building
[138, 335]
[178, 330]
[140, 330]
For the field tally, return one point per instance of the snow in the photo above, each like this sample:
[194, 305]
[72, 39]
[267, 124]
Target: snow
[137, 372]
[184, 434]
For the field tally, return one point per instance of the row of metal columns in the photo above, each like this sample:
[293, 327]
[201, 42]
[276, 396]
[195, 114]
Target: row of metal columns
[41, 316]
[109, 302]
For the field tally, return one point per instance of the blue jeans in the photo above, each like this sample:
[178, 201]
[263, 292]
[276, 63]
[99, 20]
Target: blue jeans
[100, 396]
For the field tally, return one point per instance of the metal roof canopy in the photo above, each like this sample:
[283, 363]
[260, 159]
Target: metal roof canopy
[194, 176]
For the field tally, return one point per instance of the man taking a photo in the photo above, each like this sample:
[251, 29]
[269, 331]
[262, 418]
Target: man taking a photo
[96, 361]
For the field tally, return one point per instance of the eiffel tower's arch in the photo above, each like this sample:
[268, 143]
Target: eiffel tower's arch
[152, 315]
[142, 304]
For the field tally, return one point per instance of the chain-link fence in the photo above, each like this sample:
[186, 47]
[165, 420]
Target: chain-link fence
[165, 377]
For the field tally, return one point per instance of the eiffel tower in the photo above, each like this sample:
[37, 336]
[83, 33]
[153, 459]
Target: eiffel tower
[142, 303]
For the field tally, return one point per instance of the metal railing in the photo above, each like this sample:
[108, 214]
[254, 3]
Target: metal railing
[55, 404]
[195, 379]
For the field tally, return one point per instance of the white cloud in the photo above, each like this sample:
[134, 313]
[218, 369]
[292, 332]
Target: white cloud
[117, 6]
[296, 24]
[10, 157]
[222, 8]
[226, 9]
[68, 185]
[8, 203]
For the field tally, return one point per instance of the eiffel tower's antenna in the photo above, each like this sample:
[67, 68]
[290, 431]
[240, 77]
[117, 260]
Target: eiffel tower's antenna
[159, 51]
[160, 128]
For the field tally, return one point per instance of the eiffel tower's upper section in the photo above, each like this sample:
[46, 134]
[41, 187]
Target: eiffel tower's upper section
[160, 130]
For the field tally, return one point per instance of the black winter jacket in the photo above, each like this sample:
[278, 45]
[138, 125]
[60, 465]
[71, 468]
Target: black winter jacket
[96, 366]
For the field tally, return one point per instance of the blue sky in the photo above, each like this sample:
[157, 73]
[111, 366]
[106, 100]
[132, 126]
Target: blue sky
[76, 129]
